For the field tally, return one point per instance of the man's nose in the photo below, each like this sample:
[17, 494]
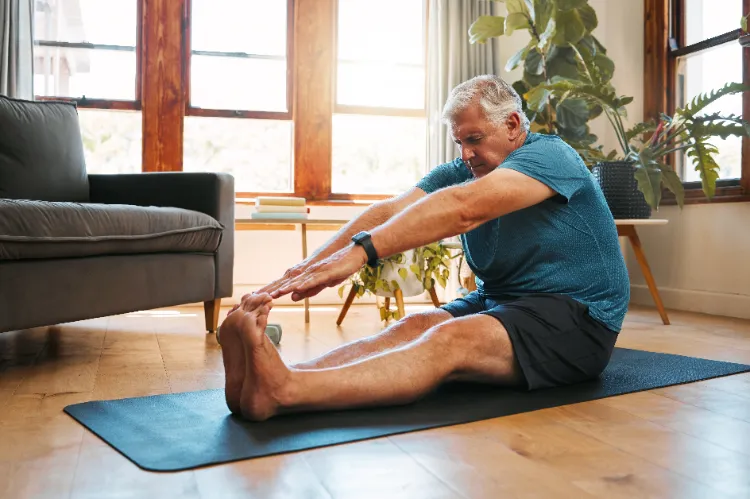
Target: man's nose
[467, 154]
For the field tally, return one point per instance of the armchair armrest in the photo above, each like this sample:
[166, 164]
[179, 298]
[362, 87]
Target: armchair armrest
[209, 193]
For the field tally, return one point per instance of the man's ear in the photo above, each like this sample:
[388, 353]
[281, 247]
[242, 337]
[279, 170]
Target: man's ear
[514, 126]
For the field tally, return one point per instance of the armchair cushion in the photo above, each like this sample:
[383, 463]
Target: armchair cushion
[40, 229]
[41, 151]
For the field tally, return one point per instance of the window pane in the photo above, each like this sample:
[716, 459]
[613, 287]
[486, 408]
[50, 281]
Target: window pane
[382, 65]
[258, 153]
[255, 28]
[368, 84]
[96, 74]
[250, 26]
[377, 154]
[111, 22]
[702, 73]
[708, 18]
[238, 84]
[111, 140]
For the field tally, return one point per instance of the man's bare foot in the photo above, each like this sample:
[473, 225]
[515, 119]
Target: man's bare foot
[266, 375]
[233, 352]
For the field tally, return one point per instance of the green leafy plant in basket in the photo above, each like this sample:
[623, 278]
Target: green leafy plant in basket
[557, 30]
[429, 265]
[647, 145]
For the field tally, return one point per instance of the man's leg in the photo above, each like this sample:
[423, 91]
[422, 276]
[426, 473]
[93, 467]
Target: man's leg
[404, 331]
[473, 348]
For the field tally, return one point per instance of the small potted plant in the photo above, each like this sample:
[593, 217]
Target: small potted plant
[412, 272]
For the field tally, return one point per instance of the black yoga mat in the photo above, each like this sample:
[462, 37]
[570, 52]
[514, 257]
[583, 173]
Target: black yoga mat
[187, 430]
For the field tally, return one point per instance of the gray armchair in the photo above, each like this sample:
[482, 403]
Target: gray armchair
[75, 246]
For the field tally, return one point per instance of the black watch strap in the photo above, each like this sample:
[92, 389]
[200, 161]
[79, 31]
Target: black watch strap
[365, 240]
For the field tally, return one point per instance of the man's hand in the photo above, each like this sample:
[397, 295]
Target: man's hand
[325, 274]
[291, 274]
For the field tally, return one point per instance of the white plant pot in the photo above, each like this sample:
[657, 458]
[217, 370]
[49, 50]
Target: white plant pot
[411, 286]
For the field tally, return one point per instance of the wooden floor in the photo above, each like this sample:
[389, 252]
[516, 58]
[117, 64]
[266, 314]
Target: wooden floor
[682, 442]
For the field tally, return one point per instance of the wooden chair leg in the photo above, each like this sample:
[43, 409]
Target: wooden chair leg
[347, 304]
[387, 302]
[434, 296]
[211, 309]
[400, 303]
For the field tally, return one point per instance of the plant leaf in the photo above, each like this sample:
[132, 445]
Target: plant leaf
[702, 156]
[341, 292]
[649, 183]
[517, 7]
[570, 4]
[673, 183]
[514, 61]
[572, 113]
[542, 14]
[537, 97]
[570, 28]
[588, 16]
[743, 23]
[701, 101]
[403, 273]
[534, 63]
[516, 21]
[486, 27]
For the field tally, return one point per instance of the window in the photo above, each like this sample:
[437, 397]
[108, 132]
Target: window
[87, 51]
[701, 71]
[692, 48]
[379, 123]
[239, 67]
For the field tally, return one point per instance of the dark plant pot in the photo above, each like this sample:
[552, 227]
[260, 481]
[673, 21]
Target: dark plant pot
[617, 181]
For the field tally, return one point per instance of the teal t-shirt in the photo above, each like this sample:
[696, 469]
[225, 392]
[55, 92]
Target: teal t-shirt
[567, 244]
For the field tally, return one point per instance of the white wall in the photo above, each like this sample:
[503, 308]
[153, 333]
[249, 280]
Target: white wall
[699, 259]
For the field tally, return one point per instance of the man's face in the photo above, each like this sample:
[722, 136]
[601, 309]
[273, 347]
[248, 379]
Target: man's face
[483, 144]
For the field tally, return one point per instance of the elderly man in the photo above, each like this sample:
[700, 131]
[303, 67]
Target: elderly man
[552, 286]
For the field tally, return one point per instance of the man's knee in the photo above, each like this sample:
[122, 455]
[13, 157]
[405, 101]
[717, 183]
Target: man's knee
[425, 320]
[476, 342]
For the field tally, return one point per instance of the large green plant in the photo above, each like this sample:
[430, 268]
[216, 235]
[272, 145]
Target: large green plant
[558, 30]
[647, 145]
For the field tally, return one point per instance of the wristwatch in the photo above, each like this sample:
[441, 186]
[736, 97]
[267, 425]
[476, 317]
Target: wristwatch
[365, 240]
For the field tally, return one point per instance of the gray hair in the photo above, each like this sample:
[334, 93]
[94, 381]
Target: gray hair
[497, 98]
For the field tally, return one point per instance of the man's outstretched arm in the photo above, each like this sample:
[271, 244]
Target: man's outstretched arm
[458, 209]
[372, 217]
[445, 213]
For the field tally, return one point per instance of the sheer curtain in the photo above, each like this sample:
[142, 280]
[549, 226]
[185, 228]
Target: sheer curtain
[17, 48]
[451, 59]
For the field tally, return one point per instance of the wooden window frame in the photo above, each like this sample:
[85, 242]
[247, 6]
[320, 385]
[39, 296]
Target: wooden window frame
[96, 103]
[664, 42]
[369, 110]
[229, 113]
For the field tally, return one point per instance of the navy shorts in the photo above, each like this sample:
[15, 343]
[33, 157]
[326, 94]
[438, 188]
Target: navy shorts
[555, 340]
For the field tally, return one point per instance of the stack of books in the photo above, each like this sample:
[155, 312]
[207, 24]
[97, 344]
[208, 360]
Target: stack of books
[269, 207]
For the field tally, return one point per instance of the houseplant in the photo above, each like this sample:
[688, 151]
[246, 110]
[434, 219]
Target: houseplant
[561, 98]
[644, 149]
[556, 28]
[413, 272]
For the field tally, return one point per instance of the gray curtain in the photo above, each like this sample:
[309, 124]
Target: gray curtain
[17, 48]
[451, 59]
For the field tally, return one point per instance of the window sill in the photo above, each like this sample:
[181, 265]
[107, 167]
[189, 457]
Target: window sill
[728, 194]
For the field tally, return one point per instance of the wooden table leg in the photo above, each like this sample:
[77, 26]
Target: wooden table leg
[630, 232]
[304, 256]
[400, 303]
[347, 304]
